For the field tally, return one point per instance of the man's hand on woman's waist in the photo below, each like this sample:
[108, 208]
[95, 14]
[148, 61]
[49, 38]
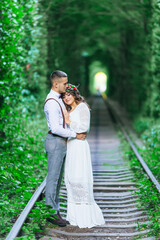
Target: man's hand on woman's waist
[81, 136]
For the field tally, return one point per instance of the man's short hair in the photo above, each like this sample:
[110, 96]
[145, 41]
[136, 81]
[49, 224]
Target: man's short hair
[56, 75]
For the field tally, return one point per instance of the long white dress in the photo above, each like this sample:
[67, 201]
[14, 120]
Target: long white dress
[82, 210]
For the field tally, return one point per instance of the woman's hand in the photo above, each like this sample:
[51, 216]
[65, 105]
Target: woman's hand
[66, 115]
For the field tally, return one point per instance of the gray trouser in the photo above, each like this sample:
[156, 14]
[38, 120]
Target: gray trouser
[56, 150]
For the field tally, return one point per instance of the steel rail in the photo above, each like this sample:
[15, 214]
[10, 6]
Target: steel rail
[22, 217]
[139, 157]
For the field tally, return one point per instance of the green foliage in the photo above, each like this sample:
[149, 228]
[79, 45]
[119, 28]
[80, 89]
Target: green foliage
[22, 60]
[141, 124]
[36, 221]
[22, 87]
[153, 94]
[148, 194]
[23, 168]
[122, 35]
[40, 36]
[149, 131]
[151, 153]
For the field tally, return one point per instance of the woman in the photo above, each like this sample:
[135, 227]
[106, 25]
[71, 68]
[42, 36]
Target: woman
[82, 210]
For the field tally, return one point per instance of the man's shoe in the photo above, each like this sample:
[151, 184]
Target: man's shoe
[55, 219]
[63, 220]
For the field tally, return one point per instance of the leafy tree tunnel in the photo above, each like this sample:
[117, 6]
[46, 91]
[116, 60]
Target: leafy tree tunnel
[120, 35]
[110, 45]
[40, 36]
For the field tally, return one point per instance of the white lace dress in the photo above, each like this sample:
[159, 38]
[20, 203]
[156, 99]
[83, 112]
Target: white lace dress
[82, 210]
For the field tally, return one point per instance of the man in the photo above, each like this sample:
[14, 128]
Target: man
[55, 142]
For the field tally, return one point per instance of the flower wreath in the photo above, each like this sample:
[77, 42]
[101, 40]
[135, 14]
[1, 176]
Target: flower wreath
[71, 88]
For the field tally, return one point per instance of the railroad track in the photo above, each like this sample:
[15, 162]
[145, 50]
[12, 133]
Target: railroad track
[114, 188]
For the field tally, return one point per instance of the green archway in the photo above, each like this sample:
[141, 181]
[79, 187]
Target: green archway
[98, 76]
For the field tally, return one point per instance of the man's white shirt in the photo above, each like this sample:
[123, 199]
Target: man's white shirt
[54, 116]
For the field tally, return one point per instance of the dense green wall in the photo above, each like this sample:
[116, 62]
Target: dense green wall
[122, 35]
[38, 37]
[23, 63]
[153, 102]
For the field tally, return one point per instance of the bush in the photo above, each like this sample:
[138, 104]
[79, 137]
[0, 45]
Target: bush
[141, 124]
[151, 153]
[149, 196]
[23, 168]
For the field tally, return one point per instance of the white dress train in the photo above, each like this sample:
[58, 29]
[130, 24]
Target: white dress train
[82, 210]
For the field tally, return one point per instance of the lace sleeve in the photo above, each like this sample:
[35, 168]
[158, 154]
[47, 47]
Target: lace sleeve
[84, 122]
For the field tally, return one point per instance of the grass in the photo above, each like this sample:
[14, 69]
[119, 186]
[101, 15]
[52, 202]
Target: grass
[148, 194]
[23, 168]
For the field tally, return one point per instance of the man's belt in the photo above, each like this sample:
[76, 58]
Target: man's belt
[49, 132]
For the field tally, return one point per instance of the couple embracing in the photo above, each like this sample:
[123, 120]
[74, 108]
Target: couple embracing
[68, 119]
